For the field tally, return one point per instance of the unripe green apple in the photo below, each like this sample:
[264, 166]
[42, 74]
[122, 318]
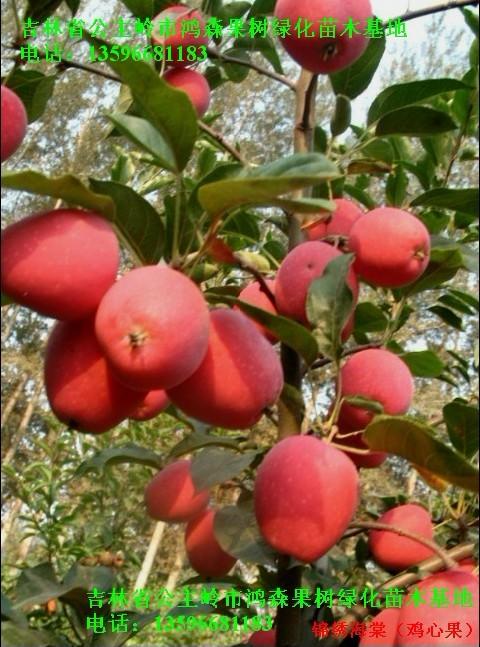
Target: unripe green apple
[391, 247]
[426, 616]
[394, 552]
[81, 388]
[152, 404]
[324, 55]
[153, 327]
[387, 636]
[172, 496]
[341, 222]
[205, 554]
[59, 263]
[375, 374]
[238, 378]
[253, 294]
[193, 84]
[13, 123]
[298, 270]
[177, 15]
[306, 493]
[263, 638]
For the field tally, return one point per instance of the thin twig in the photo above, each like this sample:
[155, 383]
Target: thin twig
[324, 361]
[218, 137]
[257, 275]
[214, 53]
[428, 11]
[374, 525]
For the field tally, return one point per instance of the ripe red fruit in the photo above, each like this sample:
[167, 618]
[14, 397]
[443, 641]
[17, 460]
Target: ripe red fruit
[153, 327]
[324, 55]
[152, 404]
[370, 460]
[171, 494]
[382, 629]
[179, 15]
[298, 270]
[439, 616]
[194, 84]
[239, 377]
[14, 122]
[263, 638]
[306, 493]
[394, 552]
[82, 390]
[375, 374]
[341, 222]
[254, 295]
[391, 246]
[203, 550]
[59, 263]
[469, 566]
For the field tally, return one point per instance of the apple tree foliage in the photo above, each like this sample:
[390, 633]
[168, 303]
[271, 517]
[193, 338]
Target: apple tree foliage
[220, 219]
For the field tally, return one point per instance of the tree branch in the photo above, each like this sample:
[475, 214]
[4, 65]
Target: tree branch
[214, 53]
[324, 361]
[420, 13]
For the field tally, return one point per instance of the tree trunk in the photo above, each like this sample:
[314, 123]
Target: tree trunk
[142, 577]
[27, 416]
[7, 410]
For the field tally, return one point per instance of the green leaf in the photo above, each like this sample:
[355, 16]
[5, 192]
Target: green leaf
[40, 10]
[6, 301]
[465, 200]
[168, 110]
[415, 121]
[288, 331]
[443, 266]
[462, 425]
[360, 195]
[237, 533]
[396, 188]
[424, 363]
[364, 403]
[129, 453]
[329, 304]
[379, 149]
[200, 439]
[263, 185]
[216, 465]
[34, 89]
[144, 135]
[265, 46]
[14, 636]
[447, 316]
[66, 187]
[471, 19]
[356, 78]
[342, 117]
[236, 73]
[406, 94]
[369, 318]
[10, 613]
[146, 8]
[137, 222]
[416, 442]
[37, 585]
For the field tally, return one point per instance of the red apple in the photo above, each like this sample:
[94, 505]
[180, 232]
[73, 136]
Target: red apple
[14, 122]
[382, 629]
[203, 550]
[370, 460]
[306, 493]
[341, 222]
[152, 404]
[391, 246]
[171, 494]
[193, 84]
[432, 622]
[59, 263]
[239, 377]
[263, 638]
[324, 55]
[254, 295]
[394, 552]
[375, 374]
[179, 15]
[82, 390]
[153, 327]
[298, 270]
